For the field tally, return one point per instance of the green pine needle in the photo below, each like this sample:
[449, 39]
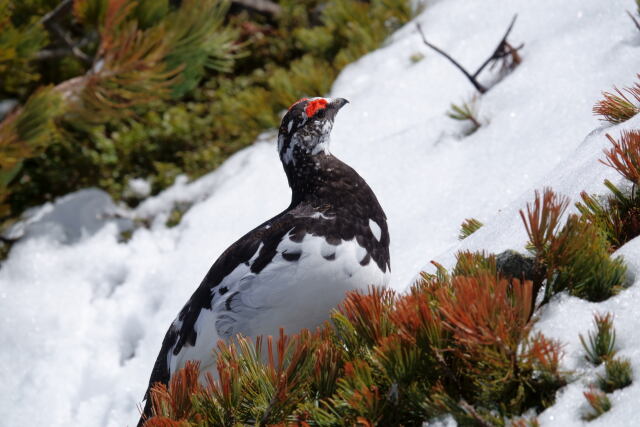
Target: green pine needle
[601, 343]
[618, 374]
[468, 227]
[467, 111]
[599, 403]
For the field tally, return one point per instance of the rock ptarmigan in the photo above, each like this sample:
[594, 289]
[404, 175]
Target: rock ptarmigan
[292, 270]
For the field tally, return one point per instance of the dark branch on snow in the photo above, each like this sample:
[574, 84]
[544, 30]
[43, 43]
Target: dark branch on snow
[503, 50]
[472, 79]
[635, 21]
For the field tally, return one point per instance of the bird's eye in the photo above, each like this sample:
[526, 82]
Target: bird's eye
[320, 114]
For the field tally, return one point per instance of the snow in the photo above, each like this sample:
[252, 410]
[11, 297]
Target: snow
[138, 187]
[84, 310]
[71, 217]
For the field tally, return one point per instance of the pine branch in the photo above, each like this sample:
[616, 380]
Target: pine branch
[617, 107]
[503, 50]
[133, 66]
[602, 342]
[624, 155]
[618, 374]
[542, 219]
[468, 227]
[599, 403]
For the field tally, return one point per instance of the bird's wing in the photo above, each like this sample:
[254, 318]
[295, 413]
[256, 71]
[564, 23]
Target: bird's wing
[221, 287]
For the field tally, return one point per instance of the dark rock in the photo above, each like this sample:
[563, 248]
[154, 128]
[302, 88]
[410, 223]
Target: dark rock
[512, 264]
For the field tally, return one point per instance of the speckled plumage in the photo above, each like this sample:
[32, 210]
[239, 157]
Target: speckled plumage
[293, 269]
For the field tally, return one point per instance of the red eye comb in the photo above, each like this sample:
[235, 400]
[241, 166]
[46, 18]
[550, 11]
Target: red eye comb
[315, 105]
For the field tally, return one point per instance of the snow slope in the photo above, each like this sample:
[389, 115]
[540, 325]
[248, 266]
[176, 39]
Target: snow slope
[83, 314]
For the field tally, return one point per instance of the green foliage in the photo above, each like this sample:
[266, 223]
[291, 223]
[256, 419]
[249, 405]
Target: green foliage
[248, 390]
[91, 13]
[474, 264]
[624, 155]
[575, 256]
[466, 112]
[583, 265]
[272, 390]
[617, 107]
[468, 227]
[542, 221]
[618, 374]
[151, 12]
[142, 54]
[175, 90]
[305, 75]
[607, 214]
[598, 402]
[416, 57]
[176, 214]
[461, 345]
[198, 41]
[601, 345]
[618, 215]
[20, 41]
[25, 134]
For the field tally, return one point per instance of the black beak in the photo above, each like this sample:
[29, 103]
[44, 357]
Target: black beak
[335, 105]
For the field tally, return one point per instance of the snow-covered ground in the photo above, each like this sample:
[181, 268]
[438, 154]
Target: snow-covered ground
[84, 313]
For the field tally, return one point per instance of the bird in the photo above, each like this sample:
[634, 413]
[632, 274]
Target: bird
[291, 271]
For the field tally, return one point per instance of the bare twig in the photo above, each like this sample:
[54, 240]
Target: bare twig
[474, 414]
[50, 21]
[60, 52]
[509, 52]
[503, 50]
[46, 54]
[62, 9]
[71, 45]
[472, 79]
[635, 21]
[263, 6]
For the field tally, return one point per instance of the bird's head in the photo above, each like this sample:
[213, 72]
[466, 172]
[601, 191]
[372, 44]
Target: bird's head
[306, 127]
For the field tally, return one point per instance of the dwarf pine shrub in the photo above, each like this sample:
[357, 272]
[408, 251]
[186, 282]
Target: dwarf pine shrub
[618, 214]
[453, 344]
[109, 61]
[624, 155]
[575, 256]
[181, 85]
[583, 265]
